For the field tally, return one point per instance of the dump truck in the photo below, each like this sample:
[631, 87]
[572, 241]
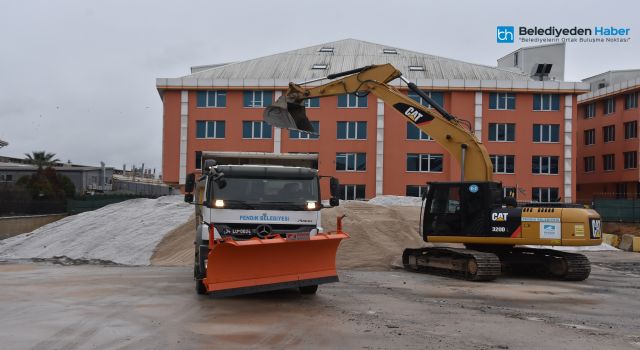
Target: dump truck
[258, 224]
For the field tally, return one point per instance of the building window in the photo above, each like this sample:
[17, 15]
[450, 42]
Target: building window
[351, 161]
[544, 165]
[630, 160]
[414, 133]
[609, 133]
[589, 164]
[590, 137]
[509, 192]
[257, 98]
[198, 159]
[609, 162]
[212, 98]
[545, 194]
[312, 102]
[424, 162]
[609, 105]
[631, 130]
[254, 129]
[546, 133]
[515, 59]
[352, 101]
[502, 132]
[546, 102]
[416, 190]
[326, 49]
[352, 131]
[301, 135]
[352, 192]
[6, 177]
[437, 97]
[503, 164]
[210, 129]
[590, 110]
[319, 66]
[631, 100]
[502, 101]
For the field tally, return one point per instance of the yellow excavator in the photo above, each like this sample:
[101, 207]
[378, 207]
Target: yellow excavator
[473, 211]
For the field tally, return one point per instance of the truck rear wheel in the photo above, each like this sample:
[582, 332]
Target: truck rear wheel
[309, 289]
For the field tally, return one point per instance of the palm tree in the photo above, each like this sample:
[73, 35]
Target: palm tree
[41, 158]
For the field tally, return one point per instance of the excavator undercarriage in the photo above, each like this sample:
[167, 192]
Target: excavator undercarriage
[487, 265]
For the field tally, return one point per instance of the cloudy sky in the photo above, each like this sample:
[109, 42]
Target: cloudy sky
[78, 77]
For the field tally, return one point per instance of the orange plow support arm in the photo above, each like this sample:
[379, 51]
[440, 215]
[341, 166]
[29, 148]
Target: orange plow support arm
[242, 267]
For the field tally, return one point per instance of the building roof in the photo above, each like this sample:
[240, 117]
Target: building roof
[631, 71]
[349, 54]
[297, 65]
[611, 90]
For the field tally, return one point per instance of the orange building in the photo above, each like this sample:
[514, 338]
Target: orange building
[608, 136]
[526, 124]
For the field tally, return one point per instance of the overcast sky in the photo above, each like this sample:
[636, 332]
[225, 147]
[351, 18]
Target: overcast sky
[78, 77]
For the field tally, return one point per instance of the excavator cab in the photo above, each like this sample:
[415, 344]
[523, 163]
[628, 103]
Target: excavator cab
[460, 208]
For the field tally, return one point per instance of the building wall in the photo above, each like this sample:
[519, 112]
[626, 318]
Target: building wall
[393, 151]
[600, 182]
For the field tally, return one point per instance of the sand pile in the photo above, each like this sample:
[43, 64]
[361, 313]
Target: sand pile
[122, 233]
[379, 234]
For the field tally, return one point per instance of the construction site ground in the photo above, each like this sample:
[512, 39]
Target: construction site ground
[48, 306]
[68, 286]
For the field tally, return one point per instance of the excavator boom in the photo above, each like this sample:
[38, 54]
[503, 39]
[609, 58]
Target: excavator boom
[289, 113]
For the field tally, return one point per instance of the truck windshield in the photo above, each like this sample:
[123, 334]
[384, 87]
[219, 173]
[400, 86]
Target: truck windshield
[261, 191]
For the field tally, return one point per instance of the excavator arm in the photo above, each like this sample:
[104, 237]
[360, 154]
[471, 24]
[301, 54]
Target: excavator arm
[289, 113]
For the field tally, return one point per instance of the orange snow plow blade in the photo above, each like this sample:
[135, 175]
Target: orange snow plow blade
[256, 265]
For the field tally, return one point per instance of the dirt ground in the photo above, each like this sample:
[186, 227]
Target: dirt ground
[108, 307]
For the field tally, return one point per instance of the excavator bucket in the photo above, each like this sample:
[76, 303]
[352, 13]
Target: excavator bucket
[256, 265]
[288, 115]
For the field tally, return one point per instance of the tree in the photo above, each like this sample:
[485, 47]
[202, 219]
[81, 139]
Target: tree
[46, 183]
[41, 158]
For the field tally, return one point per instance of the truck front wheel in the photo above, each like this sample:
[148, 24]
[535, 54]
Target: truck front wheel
[309, 289]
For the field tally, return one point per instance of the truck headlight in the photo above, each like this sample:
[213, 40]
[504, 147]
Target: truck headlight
[311, 205]
[219, 203]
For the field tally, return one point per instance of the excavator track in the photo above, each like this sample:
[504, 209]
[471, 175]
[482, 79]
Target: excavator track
[546, 262]
[465, 264]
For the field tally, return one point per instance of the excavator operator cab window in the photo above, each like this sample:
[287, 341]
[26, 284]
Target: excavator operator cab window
[444, 211]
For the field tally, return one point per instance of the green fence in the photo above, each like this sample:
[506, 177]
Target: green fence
[87, 203]
[619, 210]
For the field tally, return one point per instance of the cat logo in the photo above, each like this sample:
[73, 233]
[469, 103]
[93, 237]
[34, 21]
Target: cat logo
[499, 216]
[417, 115]
[413, 114]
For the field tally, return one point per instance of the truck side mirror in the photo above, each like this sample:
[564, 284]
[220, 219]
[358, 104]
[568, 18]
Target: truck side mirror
[208, 164]
[190, 183]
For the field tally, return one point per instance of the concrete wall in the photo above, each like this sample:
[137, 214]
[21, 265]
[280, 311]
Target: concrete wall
[12, 226]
